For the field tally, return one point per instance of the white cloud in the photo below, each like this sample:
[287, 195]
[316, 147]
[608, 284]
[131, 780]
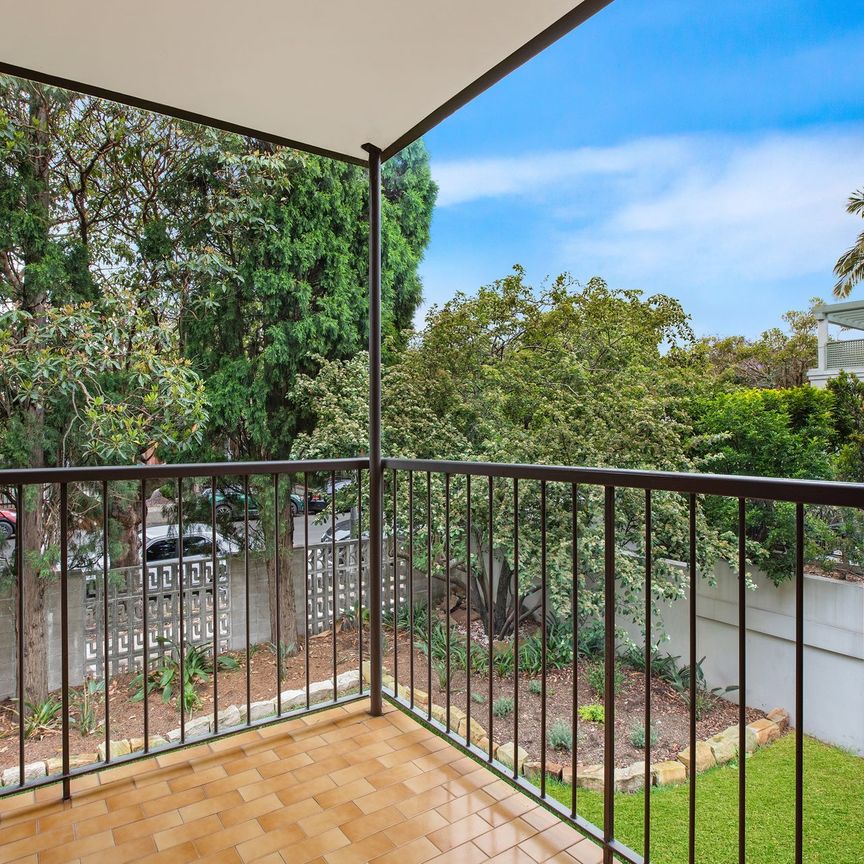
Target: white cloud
[724, 218]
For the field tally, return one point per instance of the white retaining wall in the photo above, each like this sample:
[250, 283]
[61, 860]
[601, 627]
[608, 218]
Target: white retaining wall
[833, 653]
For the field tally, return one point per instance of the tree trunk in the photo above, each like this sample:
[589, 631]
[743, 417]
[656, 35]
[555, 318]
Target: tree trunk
[125, 510]
[30, 532]
[287, 619]
[33, 525]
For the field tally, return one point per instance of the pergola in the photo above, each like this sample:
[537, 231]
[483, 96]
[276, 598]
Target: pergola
[351, 81]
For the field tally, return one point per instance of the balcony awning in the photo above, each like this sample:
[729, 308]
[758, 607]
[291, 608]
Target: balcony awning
[849, 314]
[327, 76]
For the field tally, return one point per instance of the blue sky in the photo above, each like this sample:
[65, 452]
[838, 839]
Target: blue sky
[699, 149]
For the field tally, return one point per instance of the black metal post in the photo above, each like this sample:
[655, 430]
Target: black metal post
[376, 527]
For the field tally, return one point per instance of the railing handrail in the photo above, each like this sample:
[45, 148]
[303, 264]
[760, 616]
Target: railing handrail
[84, 473]
[825, 492]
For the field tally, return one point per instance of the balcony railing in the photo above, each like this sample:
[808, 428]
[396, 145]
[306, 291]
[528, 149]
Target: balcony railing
[447, 515]
[844, 354]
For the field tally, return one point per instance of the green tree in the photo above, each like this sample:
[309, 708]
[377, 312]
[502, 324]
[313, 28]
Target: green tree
[571, 374]
[849, 268]
[88, 373]
[778, 358]
[287, 235]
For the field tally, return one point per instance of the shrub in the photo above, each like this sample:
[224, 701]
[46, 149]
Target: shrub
[479, 698]
[502, 707]
[593, 713]
[561, 736]
[42, 717]
[637, 735]
[503, 660]
[535, 687]
[596, 677]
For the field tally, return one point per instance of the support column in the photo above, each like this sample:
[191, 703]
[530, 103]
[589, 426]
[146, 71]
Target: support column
[376, 527]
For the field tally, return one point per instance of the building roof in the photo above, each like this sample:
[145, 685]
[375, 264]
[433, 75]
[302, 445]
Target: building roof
[326, 76]
[850, 314]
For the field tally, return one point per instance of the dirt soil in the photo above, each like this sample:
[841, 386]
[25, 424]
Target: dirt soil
[127, 717]
[669, 710]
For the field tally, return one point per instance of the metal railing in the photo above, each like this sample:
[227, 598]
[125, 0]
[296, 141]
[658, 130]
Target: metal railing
[430, 490]
[609, 481]
[96, 480]
[844, 354]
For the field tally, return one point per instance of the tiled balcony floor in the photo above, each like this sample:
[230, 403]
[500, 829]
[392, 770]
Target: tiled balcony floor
[336, 787]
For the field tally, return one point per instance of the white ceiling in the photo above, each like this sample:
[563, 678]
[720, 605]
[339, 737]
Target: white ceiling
[331, 74]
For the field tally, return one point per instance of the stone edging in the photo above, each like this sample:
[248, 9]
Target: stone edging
[716, 750]
[196, 729]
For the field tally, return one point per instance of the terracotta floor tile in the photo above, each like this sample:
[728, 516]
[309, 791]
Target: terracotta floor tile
[457, 808]
[386, 797]
[361, 852]
[268, 842]
[146, 827]
[467, 853]
[311, 848]
[543, 845]
[186, 831]
[459, 832]
[210, 844]
[504, 837]
[420, 825]
[415, 852]
[131, 851]
[324, 820]
[507, 808]
[250, 810]
[357, 791]
[366, 825]
[336, 787]
[586, 852]
[514, 855]
[428, 800]
[77, 849]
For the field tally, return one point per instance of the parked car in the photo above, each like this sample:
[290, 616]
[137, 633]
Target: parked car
[230, 502]
[8, 524]
[162, 546]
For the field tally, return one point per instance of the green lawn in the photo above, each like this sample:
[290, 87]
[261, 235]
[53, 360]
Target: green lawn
[833, 810]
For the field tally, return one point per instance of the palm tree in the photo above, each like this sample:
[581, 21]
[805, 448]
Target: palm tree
[849, 268]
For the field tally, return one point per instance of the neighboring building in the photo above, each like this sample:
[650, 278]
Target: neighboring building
[836, 350]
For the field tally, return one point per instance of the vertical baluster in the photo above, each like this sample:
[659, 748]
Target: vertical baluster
[395, 589]
[64, 630]
[19, 569]
[742, 681]
[490, 603]
[517, 605]
[360, 574]
[246, 588]
[411, 584]
[145, 616]
[693, 683]
[543, 638]
[447, 576]
[333, 574]
[646, 852]
[574, 623]
[278, 574]
[215, 602]
[181, 585]
[799, 683]
[106, 642]
[468, 605]
[307, 590]
[609, 673]
[429, 593]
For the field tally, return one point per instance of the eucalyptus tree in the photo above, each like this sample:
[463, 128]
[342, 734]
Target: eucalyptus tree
[88, 371]
[569, 374]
